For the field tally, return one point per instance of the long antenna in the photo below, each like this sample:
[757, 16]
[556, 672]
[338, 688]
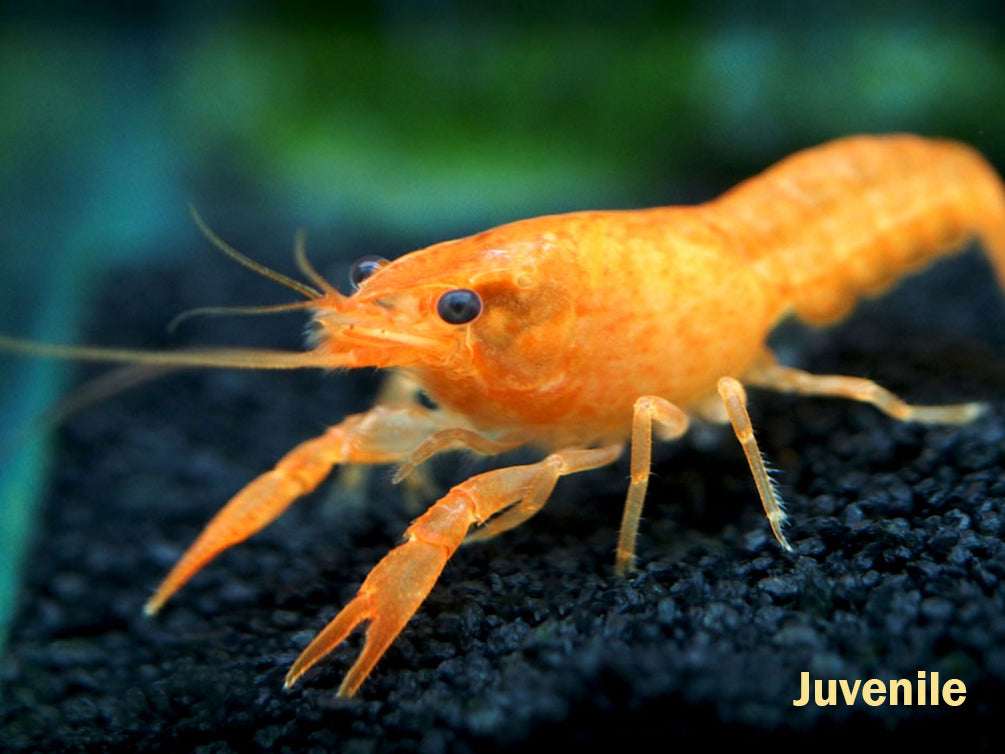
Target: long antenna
[251, 264]
[225, 358]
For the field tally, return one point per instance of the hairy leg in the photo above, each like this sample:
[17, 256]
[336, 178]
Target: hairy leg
[670, 423]
[774, 376]
[734, 397]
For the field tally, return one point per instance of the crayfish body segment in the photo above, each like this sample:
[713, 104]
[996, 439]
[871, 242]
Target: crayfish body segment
[584, 333]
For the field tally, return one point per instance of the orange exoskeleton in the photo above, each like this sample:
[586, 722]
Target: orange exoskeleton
[580, 333]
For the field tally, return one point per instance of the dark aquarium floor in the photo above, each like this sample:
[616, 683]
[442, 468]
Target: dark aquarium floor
[529, 639]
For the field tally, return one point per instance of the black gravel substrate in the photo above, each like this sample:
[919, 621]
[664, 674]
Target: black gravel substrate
[529, 639]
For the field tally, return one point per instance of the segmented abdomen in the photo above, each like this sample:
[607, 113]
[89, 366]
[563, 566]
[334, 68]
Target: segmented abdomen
[833, 223]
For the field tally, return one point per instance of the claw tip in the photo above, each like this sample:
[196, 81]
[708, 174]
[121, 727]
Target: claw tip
[290, 681]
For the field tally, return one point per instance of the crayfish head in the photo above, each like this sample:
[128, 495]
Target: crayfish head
[496, 307]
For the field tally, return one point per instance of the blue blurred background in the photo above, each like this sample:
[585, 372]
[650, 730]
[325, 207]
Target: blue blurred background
[417, 121]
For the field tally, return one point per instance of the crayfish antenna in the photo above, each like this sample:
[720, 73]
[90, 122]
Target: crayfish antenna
[310, 272]
[237, 310]
[220, 358]
[251, 264]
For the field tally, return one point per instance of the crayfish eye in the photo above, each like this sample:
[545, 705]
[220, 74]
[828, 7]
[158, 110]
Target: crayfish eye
[459, 307]
[363, 268]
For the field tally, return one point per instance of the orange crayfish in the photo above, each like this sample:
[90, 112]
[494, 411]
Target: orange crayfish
[580, 333]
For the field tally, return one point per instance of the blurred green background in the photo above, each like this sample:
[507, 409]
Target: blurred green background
[418, 120]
